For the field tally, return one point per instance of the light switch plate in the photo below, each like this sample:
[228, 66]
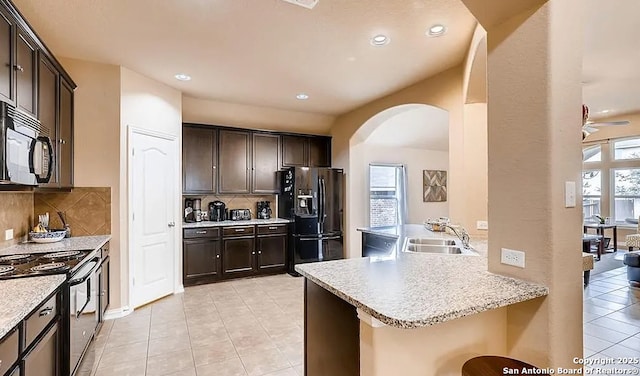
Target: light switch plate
[8, 234]
[570, 194]
[482, 225]
[512, 257]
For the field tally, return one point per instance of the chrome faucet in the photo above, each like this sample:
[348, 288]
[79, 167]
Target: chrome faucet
[461, 233]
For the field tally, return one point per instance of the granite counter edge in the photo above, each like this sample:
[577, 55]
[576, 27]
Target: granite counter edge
[531, 291]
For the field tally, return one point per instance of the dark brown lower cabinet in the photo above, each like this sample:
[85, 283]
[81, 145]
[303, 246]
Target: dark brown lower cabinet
[272, 254]
[201, 260]
[238, 256]
[44, 358]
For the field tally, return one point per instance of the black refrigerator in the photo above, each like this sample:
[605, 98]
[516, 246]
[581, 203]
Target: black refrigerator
[313, 198]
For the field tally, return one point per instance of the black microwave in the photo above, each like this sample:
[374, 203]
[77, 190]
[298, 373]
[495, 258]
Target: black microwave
[26, 154]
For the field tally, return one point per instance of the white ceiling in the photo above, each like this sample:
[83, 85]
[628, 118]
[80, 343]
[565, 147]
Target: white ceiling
[262, 52]
[422, 127]
[611, 73]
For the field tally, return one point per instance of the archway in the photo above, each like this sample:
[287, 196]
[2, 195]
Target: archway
[414, 135]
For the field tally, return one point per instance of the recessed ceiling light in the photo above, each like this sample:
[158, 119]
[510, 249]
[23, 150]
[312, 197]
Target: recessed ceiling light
[302, 96]
[182, 77]
[380, 40]
[436, 30]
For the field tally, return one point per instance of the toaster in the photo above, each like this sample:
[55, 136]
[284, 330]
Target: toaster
[239, 214]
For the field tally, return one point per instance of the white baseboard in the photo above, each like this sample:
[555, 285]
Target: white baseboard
[117, 313]
[179, 289]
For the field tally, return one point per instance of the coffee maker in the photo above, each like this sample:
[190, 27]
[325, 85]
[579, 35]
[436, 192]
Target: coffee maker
[264, 210]
[217, 211]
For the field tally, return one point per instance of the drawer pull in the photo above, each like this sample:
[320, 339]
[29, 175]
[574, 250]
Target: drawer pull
[201, 232]
[273, 228]
[239, 230]
[46, 312]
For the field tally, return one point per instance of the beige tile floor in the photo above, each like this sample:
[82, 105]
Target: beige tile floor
[612, 319]
[254, 327]
[244, 327]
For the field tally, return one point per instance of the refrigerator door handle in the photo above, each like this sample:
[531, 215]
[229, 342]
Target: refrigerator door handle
[332, 237]
[323, 200]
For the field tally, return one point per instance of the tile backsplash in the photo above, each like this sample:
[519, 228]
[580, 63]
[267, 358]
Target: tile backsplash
[16, 212]
[238, 202]
[87, 210]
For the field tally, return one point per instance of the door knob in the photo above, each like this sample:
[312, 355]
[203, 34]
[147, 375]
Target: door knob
[172, 224]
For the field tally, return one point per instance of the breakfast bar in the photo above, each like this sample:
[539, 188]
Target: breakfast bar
[413, 314]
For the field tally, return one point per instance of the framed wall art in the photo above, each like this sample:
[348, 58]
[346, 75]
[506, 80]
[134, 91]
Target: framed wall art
[434, 186]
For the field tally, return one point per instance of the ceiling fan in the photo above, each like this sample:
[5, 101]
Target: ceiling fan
[589, 127]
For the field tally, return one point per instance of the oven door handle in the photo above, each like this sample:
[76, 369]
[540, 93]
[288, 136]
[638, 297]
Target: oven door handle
[77, 281]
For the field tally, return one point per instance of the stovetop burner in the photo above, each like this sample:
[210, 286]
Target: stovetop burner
[57, 266]
[38, 264]
[66, 255]
[15, 259]
[6, 269]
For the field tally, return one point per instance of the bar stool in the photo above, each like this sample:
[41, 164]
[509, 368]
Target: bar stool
[489, 365]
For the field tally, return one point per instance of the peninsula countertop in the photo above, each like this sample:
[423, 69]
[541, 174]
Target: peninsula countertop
[20, 296]
[205, 224]
[412, 290]
[74, 243]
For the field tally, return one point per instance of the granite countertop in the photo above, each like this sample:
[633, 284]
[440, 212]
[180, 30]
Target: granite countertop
[415, 290]
[235, 223]
[74, 243]
[21, 295]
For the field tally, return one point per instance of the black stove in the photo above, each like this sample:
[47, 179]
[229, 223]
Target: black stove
[37, 264]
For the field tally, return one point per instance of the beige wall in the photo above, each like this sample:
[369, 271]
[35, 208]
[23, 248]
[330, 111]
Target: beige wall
[438, 350]
[444, 91]
[16, 212]
[246, 116]
[97, 146]
[534, 91]
[415, 161]
[147, 105]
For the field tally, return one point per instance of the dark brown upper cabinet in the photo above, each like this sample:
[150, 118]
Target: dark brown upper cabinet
[266, 161]
[199, 159]
[65, 136]
[312, 151]
[7, 43]
[235, 162]
[319, 151]
[25, 68]
[48, 109]
[295, 151]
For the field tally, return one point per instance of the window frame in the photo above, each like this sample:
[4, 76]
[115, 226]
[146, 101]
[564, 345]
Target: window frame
[400, 195]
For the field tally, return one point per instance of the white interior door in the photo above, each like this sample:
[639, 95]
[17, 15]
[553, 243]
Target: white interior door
[153, 182]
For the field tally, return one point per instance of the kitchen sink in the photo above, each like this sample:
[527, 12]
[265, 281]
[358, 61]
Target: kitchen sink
[430, 248]
[437, 245]
[432, 241]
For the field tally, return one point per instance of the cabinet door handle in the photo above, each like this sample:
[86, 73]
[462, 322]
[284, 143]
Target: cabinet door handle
[18, 67]
[273, 228]
[201, 232]
[239, 230]
[253, 253]
[214, 167]
[259, 252]
[62, 142]
[46, 312]
[217, 256]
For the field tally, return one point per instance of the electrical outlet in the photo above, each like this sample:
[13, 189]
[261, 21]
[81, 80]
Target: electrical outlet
[512, 257]
[482, 225]
[8, 234]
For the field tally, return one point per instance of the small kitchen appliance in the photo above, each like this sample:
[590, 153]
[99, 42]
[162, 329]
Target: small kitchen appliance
[189, 215]
[217, 211]
[197, 209]
[240, 214]
[264, 210]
